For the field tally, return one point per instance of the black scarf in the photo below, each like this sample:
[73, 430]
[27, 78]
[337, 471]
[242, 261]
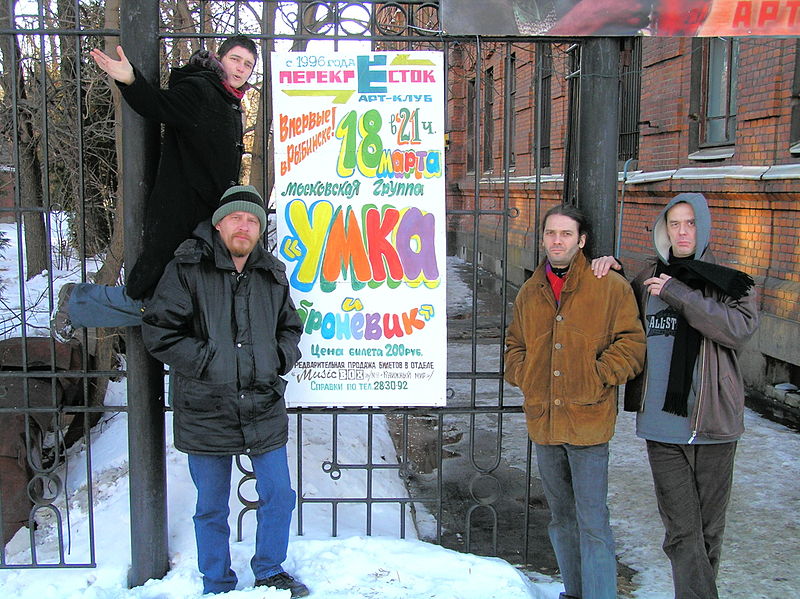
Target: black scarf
[697, 275]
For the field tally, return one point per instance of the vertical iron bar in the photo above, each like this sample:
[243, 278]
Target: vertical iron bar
[79, 96]
[527, 517]
[147, 454]
[370, 471]
[476, 205]
[439, 478]
[509, 83]
[299, 481]
[479, 95]
[537, 210]
[404, 463]
[335, 460]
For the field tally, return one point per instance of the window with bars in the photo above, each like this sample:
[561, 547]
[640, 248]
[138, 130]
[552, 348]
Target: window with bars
[488, 120]
[571, 163]
[542, 82]
[471, 126]
[718, 80]
[630, 93]
[512, 109]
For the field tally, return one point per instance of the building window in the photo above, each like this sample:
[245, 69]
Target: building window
[795, 131]
[512, 109]
[717, 116]
[488, 120]
[630, 93]
[542, 82]
[471, 126]
[573, 109]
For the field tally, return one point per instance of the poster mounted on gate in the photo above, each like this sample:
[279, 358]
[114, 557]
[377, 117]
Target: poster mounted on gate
[360, 201]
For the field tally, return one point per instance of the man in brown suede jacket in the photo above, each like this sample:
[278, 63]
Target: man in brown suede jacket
[574, 338]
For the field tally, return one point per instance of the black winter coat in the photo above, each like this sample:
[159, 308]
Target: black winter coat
[201, 155]
[227, 337]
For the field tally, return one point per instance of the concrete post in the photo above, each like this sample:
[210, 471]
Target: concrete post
[598, 135]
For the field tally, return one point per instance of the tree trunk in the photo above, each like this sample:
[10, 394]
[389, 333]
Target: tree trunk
[262, 153]
[107, 339]
[29, 177]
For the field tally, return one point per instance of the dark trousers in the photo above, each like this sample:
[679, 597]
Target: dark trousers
[693, 485]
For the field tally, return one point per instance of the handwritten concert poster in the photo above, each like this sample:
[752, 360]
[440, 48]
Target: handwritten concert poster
[360, 201]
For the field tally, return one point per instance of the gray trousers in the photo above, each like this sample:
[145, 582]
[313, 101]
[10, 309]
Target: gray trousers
[693, 485]
[575, 483]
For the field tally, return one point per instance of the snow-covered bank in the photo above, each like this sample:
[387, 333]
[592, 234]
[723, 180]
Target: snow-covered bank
[759, 556]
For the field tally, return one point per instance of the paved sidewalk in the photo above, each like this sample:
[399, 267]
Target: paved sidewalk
[762, 540]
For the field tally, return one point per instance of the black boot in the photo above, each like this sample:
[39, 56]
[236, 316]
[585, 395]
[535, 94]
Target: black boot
[283, 581]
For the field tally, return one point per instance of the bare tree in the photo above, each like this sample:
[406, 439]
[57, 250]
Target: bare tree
[110, 271]
[310, 17]
[22, 128]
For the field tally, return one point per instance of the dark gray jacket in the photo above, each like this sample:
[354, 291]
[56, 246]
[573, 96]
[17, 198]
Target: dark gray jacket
[227, 337]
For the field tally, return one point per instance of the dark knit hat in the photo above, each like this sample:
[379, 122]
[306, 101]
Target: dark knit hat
[241, 198]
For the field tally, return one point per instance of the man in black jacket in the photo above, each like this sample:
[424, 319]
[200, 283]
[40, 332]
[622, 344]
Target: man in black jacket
[222, 318]
[201, 156]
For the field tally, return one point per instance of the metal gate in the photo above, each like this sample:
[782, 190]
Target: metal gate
[466, 467]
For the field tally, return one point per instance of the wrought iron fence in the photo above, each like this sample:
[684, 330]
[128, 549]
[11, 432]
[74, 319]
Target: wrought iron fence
[466, 467]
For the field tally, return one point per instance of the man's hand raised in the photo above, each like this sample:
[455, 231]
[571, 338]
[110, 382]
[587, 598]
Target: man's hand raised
[119, 70]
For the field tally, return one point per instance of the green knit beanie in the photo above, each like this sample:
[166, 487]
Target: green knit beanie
[241, 198]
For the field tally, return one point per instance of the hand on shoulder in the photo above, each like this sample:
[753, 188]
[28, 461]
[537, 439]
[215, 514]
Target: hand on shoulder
[602, 265]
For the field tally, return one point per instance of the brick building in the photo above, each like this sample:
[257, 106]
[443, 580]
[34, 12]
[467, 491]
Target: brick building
[716, 115]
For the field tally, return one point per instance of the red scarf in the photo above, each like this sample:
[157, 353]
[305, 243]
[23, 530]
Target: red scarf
[235, 92]
[556, 282]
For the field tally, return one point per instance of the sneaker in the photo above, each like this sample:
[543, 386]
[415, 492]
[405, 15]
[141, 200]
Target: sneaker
[61, 327]
[283, 581]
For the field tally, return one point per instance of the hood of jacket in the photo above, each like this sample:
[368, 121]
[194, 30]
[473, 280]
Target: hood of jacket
[206, 244]
[192, 70]
[702, 220]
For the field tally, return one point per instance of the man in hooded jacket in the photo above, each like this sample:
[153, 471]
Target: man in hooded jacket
[690, 397]
[201, 157]
[222, 318]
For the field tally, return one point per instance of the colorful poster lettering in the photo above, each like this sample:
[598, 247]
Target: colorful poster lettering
[685, 18]
[360, 201]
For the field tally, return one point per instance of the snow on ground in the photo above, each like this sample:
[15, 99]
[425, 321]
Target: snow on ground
[350, 566]
[759, 558]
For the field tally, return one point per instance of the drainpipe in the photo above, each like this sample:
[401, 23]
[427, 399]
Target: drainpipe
[622, 207]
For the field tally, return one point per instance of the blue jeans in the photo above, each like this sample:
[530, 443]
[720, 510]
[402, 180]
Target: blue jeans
[276, 499]
[693, 486]
[93, 305]
[575, 482]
